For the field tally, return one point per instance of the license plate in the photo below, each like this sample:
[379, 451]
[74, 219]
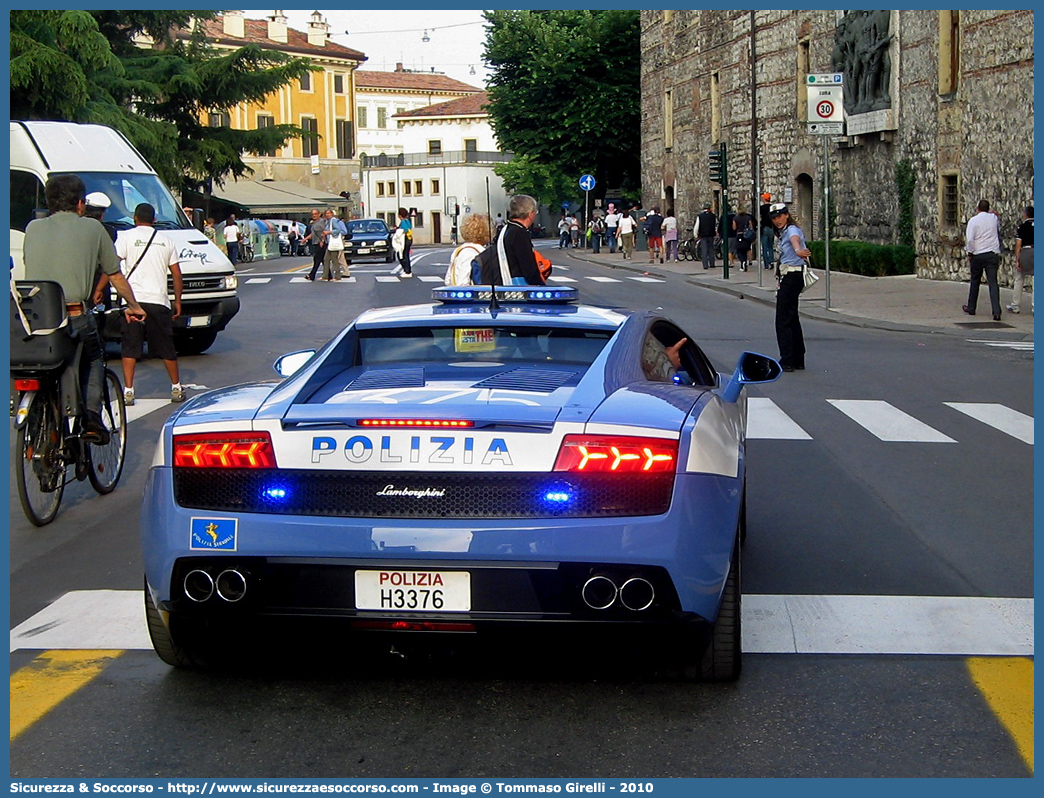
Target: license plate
[364, 251]
[413, 591]
[198, 321]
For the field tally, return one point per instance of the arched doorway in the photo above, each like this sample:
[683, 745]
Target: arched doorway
[668, 198]
[805, 203]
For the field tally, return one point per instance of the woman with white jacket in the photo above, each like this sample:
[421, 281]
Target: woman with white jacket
[475, 232]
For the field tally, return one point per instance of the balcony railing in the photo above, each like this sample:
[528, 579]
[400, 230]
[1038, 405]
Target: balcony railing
[428, 158]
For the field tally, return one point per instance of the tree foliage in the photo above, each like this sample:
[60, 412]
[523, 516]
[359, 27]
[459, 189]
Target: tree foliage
[86, 66]
[564, 97]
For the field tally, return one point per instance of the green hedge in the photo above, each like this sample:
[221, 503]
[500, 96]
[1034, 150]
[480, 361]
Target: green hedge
[859, 257]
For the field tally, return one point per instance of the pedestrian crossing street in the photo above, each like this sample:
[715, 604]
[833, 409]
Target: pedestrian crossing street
[886, 422]
[113, 620]
[433, 278]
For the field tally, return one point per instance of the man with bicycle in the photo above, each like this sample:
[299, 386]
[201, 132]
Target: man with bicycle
[68, 248]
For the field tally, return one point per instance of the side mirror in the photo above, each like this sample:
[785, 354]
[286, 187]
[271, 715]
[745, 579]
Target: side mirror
[291, 363]
[751, 369]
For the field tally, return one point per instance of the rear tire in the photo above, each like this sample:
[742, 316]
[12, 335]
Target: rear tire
[719, 657]
[40, 470]
[194, 343]
[105, 463]
[179, 651]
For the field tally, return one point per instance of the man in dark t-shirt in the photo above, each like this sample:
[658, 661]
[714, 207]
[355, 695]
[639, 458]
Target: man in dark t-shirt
[654, 231]
[706, 222]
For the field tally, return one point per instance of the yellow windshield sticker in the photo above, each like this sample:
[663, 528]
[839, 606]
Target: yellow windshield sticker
[480, 340]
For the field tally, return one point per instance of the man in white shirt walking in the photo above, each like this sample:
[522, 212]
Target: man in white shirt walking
[612, 223]
[231, 233]
[147, 256]
[982, 240]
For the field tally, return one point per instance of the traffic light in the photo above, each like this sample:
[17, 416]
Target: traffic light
[717, 164]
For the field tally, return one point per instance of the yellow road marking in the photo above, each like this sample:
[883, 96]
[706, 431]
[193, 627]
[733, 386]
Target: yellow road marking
[1007, 685]
[48, 680]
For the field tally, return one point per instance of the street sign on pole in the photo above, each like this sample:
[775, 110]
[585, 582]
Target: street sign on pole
[587, 182]
[826, 118]
[826, 115]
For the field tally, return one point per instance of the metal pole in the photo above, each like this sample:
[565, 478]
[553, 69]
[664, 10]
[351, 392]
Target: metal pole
[587, 213]
[489, 209]
[725, 212]
[757, 219]
[826, 212]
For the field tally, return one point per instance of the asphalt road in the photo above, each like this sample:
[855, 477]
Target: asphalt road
[838, 512]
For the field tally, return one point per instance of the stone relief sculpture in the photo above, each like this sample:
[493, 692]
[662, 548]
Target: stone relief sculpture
[861, 44]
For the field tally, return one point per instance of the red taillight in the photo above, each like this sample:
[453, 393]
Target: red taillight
[415, 422]
[616, 454]
[224, 450]
[27, 385]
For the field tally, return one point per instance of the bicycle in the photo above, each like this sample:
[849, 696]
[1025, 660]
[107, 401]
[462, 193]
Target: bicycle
[687, 250]
[49, 411]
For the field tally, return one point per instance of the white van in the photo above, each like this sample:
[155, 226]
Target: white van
[108, 162]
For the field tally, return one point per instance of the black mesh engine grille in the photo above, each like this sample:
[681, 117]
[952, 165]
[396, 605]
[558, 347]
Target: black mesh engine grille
[422, 495]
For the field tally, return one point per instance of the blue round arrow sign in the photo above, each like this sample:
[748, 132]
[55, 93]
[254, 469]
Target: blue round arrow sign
[587, 182]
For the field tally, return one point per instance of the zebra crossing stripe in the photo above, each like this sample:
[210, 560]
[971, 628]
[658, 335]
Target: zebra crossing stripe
[1024, 346]
[142, 407]
[299, 280]
[888, 423]
[766, 420]
[955, 625]
[647, 280]
[1009, 421]
[260, 280]
[88, 620]
[557, 279]
[384, 278]
[429, 278]
[605, 279]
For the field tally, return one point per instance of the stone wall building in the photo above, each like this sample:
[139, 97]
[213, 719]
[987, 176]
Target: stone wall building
[943, 96]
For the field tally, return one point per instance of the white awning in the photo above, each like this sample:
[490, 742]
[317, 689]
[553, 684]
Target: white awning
[259, 198]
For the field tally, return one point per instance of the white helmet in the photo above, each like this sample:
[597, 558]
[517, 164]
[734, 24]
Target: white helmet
[97, 199]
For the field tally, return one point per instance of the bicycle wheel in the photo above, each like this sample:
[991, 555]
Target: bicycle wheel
[246, 252]
[40, 470]
[105, 463]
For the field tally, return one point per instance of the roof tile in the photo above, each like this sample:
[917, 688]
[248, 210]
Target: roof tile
[257, 33]
[423, 81]
[471, 105]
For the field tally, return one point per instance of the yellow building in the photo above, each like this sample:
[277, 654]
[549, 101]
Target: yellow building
[323, 102]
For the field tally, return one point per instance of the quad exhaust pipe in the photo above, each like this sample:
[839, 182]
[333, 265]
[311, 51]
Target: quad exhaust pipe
[600, 592]
[229, 586]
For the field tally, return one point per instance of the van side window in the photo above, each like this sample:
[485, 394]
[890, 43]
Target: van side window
[26, 196]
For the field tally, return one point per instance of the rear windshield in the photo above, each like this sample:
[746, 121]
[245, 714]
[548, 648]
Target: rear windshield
[481, 345]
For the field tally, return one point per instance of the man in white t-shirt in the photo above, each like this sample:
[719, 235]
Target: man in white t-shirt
[147, 256]
[231, 233]
[612, 222]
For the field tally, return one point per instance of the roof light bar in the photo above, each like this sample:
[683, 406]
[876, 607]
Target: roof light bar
[513, 294]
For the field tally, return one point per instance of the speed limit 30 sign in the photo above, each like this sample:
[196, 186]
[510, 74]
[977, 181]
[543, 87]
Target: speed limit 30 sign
[825, 98]
[824, 104]
[825, 110]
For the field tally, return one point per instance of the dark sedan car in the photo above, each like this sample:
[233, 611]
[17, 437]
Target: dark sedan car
[371, 238]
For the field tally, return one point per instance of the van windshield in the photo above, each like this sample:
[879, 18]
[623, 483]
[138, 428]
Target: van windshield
[126, 191]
